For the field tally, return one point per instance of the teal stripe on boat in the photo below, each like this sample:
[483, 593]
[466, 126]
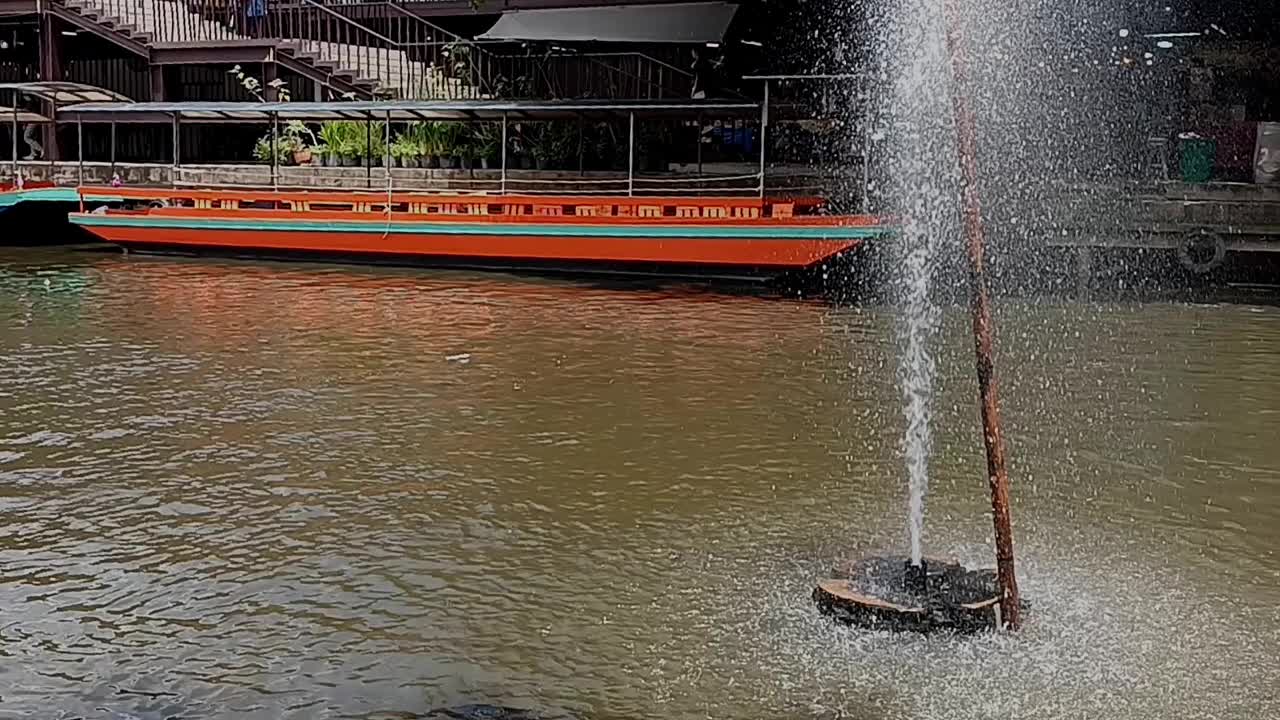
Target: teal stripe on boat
[53, 194]
[486, 228]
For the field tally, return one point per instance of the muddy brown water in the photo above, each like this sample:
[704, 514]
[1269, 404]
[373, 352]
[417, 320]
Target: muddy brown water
[233, 490]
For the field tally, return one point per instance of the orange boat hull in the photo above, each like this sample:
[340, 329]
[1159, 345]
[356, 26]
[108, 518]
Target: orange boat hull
[735, 246]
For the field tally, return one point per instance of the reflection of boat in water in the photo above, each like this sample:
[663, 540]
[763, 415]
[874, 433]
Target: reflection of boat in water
[439, 313]
[724, 237]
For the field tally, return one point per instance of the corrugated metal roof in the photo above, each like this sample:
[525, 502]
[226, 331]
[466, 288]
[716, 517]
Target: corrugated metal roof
[397, 110]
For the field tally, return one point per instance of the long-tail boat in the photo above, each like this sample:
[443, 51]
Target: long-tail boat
[673, 234]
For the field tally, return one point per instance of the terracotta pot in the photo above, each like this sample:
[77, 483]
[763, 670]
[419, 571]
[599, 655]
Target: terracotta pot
[302, 157]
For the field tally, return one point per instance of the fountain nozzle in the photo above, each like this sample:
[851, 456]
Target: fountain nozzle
[915, 578]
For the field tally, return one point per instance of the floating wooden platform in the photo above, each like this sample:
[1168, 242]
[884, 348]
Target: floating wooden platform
[872, 596]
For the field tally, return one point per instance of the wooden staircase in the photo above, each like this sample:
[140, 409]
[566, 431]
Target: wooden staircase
[302, 36]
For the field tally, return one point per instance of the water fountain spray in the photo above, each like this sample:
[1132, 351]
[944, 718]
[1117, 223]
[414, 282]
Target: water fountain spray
[980, 307]
[917, 594]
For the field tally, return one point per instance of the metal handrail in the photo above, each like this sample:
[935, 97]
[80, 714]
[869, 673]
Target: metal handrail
[309, 28]
[414, 58]
[650, 58]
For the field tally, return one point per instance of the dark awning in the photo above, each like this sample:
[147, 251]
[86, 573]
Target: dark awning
[695, 22]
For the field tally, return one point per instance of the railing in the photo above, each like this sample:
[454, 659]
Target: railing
[178, 21]
[310, 29]
[394, 50]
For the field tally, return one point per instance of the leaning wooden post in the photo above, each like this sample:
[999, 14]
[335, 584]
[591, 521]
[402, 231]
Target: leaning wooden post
[980, 305]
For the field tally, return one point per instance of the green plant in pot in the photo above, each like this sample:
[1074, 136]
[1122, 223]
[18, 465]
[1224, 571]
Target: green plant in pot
[539, 143]
[447, 144]
[279, 150]
[336, 137]
[465, 149]
[302, 140]
[486, 144]
[551, 144]
[408, 149]
[427, 136]
[375, 140]
[458, 65]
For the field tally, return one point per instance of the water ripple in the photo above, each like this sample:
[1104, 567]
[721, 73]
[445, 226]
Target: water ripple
[232, 490]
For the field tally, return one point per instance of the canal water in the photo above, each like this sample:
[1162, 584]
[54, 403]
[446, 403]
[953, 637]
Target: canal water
[269, 491]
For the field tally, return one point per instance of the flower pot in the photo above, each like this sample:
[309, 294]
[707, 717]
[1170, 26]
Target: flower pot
[431, 162]
[302, 157]
[465, 163]
[447, 162]
[350, 161]
[540, 163]
[485, 163]
[526, 162]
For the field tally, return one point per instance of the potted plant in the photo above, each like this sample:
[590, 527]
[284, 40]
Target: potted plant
[404, 150]
[447, 145]
[458, 64]
[279, 150]
[485, 143]
[422, 136]
[374, 143]
[350, 152]
[337, 139]
[465, 150]
[301, 140]
[550, 144]
[428, 134]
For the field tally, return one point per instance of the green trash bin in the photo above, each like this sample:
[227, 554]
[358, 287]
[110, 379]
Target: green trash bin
[1198, 157]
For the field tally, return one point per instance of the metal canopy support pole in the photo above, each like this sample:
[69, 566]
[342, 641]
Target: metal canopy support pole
[275, 151]
[53, 136]
[631, 156]
[80, 150]
[386, 156]
[177, 158]
[764, 135]
[368, 150]
[983, 333]
[699, 140]
[53, 139]
[113, 148]
[17, 99]
[504, 154]
[866, 155]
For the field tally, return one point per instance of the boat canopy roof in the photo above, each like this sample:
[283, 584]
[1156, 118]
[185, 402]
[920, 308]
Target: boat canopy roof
[400, 110]
[64, 93]
[18, 115]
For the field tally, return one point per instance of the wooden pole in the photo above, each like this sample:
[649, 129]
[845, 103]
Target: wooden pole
[983, 333]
